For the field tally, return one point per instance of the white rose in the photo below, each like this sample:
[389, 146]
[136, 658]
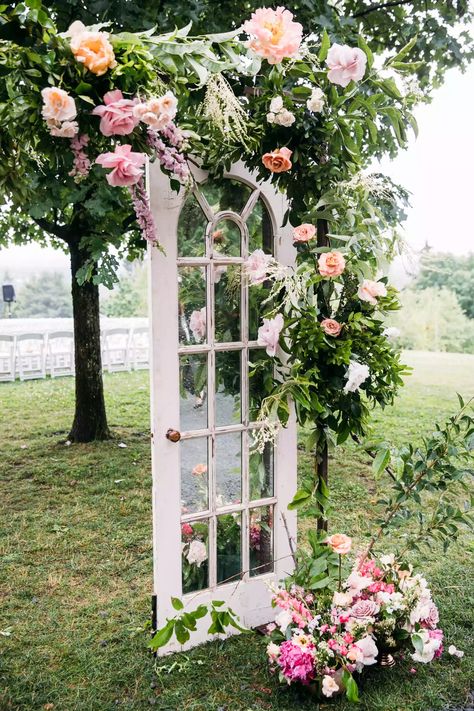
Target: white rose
[271, 117]
[341, 599]
[330, 687]
[316, 101]
[390, 558]
[430, 646]
[357, 373]
[276, 104]
[455, 652]
[285, 118]
[283, 620]
[197, 553]
[273, 651]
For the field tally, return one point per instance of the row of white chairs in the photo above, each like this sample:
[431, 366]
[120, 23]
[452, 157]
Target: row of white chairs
[29, 356]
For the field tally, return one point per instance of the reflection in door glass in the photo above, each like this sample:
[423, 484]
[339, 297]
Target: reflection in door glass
[257, 295]
[195, 555]
[227, 304]
[260, 380]
[260, 229]
[228, 469]
[260, 471]
[191, 229]
[226, 238]
[193, 392]
[226, 195]
[228, 402]
[192, 305]
[194, 475]
[229, 536]
[261, 540]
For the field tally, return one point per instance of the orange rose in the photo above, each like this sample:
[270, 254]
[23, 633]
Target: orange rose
[278, 161]
[92, 49]
[340, 543]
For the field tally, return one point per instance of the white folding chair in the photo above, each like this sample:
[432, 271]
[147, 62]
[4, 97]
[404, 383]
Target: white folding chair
[7, 358]
[60, 352]
[139, 351]
[31, 355]
[116, 349]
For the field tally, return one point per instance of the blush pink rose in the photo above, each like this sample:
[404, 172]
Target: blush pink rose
[304, 232]
[370, 291]
[269, 333]
[197, 323]
[67, 129]
[273, 34]
[331, 327]
[331, 264]
[116, 114]
[345, 64]
[126, 165]
[256, 266]
[57, 105]
[278, 161]
[340, 543]
[157, 112]
[199, 470]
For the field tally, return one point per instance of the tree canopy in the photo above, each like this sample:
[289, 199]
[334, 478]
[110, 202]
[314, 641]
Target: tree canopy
[450, 271]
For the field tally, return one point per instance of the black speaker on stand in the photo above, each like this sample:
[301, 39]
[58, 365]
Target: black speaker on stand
[8, 297]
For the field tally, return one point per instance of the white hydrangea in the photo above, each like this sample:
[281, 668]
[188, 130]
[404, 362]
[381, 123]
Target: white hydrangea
[315, 103]
[197, 553]
[357, 373]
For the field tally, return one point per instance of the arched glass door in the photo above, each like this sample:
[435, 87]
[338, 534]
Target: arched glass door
[221, 526]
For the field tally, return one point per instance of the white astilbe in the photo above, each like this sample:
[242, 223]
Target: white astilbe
[222, 108]
[266, 433]
[371, 183]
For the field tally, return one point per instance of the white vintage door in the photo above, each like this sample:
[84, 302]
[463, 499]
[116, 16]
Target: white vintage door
[221, 526]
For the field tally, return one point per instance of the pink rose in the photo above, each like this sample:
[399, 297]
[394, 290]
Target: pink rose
[187, 529]
[364, 609]
[331, 327]
[331, 264]
[269, 333]
[57, 105]
[304, 232]
[199, 470]
[125, 163]
[116, 114]
[371, 290]
[256, 266]
[340, 543]
[345, 64]
[197, 323]
[278, 161]
[273, 34]
[67, 129]
[157, 112]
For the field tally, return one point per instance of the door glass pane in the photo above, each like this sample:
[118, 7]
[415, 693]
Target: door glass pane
[191, 229]
[192, 305]
[226, 238]
[229, 536]
[260, 380]
[228, 469]
[227, 304]
[193, 392]
[261, 467]
[195, 555]
[228, 400]
[261, 540]
[226, 195]
[257, 295]
[260, 229]
[194, 475]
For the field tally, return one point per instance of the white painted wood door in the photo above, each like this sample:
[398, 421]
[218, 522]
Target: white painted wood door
[221, 526]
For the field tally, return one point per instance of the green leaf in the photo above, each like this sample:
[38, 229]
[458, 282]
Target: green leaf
[381, 460]
[404, 51]
[162, 636]
[325, 45]
[417, 642]
[182, 634]
[365, 48]
[177, 604]
[352, 690]
[299, 499]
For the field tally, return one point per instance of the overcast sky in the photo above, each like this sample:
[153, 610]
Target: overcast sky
[438, 169]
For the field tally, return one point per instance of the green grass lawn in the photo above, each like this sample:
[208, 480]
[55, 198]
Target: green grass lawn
[75, 552]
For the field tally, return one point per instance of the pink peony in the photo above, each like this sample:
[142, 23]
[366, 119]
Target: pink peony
[197, 323]
[57, 105]
[304, 232]
[278, 160]
[256, 266]
[345, 64]
[331, 264]
[296, 663]
[331, 327]
[273, 34]
[116, 114]
[126, 165]
[370, 290]
[269, 333]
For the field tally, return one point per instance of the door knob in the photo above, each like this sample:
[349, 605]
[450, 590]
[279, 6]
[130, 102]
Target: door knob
[173, 435]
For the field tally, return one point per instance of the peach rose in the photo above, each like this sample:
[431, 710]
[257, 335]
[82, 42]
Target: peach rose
[57, 106]
[278, 161]
[92, 49]
[331, 264]
[304, 232]
[68, 129]
[273, 34]
[371, 290]
[199, 470]
[340, 543]
[331, 327]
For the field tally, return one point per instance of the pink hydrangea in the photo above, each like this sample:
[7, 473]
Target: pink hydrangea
[126, 165]
[345, 64]
[269, 333]
[116, 114]
[296, 663]
[273, 34]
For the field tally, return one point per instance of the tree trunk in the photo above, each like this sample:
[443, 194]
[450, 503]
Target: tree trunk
[322, 461]
[90, 419]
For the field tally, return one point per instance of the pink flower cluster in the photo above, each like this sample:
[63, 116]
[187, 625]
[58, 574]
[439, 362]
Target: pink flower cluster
[169, 156]
[143, 211]
[295, 605]
[296, 662]
[82, 164]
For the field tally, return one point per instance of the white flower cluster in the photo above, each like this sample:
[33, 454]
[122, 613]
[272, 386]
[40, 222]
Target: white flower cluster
[357, 373]
[278, 114]
[315, 103]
